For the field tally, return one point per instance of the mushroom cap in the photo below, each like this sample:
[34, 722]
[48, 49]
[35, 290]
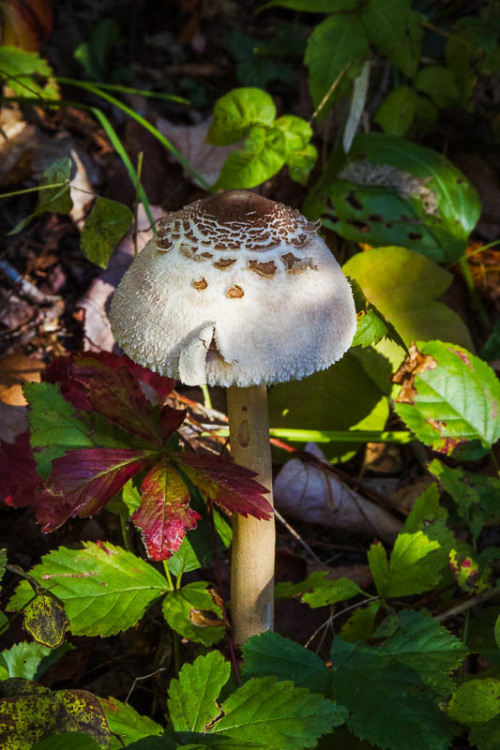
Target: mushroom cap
[234, 290]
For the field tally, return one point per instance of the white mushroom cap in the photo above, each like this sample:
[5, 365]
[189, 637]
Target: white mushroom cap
[235, 290]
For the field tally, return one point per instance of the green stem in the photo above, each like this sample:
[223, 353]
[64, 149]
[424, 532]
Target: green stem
[168, 576]
[34, 189]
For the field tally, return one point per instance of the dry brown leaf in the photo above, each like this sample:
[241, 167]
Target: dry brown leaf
[311, 493]
[15, 370]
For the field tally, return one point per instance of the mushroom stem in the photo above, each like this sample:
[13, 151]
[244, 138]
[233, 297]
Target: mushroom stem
[252, 565]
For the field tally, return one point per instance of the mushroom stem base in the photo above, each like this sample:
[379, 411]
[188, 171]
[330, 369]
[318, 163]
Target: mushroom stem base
[253, 551]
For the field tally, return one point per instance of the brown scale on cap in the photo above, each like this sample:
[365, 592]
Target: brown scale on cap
[240, 220]
[224, 263]
[263, 269]
[201, 284]
[235, 292]
[295, 265]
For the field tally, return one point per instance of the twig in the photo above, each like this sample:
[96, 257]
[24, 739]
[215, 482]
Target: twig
[297, 536]
[26, 288]
[459, 609]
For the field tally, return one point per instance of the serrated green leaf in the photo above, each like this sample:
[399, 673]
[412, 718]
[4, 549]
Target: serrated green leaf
[359, 626]
[23, 660]
[237, 112]
[75, 740]
[126, 724]
[54, 425]
[105, 226]
[396, 31]
[300, 155]
[192, 697]
[453, 402]
[474, 701]
[27, 74]
[270, 654]
[396, 113]
[335, 51]
[262, 156]
[104, 588]
[372, 326]
[194, 613]
[277, 714]
[406, 294]
[318, 590]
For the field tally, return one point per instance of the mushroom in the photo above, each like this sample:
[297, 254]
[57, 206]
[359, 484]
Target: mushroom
[238, 291]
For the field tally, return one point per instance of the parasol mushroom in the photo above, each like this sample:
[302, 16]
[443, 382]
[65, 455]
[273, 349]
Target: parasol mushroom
[238, 291]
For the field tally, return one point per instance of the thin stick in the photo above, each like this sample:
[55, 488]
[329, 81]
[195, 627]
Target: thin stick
[252, 566]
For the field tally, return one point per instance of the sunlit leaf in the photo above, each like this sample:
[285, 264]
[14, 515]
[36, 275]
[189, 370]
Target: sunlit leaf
[237, 112]
[193, 612]
[27, 74]
[262, 156]
[126, 724]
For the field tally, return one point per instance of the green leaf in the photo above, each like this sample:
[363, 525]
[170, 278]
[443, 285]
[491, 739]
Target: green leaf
[406, 294]
[45, 619]
[23, 660]
[54, 425]
[104, 588]
[438, 82]
[395, 30]
[394, 192]
[300, 154]
[126, 724]
[277, 714]
[27, 74]
[450, 399]
[372, 326]
[192, 697]
[335, 52]
[360, 625]
[56, 199]
[30, 713]
[314, 6]
[396, 113]
[194, 612]
[237, 112]
[106, 224]
[263, 155]
[318, 590]
[75, 740]
[486, 736]
[270, 654]
[476, 700]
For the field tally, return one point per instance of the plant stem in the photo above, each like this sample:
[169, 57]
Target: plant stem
[252, 565]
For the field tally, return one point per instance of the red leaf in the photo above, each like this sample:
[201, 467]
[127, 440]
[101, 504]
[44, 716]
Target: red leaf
[19, 480]
[162, 385]
[232, 487]
[115, 393]
[170, 420]
[84, 480]
[59, 372]
[164, 515]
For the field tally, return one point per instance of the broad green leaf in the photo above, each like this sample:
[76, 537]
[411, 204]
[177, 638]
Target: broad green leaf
[396, 31]
[104, 228]
[340, 398]
[104, 588]
[372, 326]
[296, 131]
[30, 713]
[237, 112]
[192, 697]
[22, 660]
[406, 294]
[390, 191]
[193, 612]
[335, 54]
[300, 163]
[27, 74]
[318, 590]
[269, 654]
[65, 740]
[55, 427]
[360, 625]
[277, 714]
[439, 83]
[396, 113]
[474, 701]
[450, 399]
[45, 619]
[263, 154]
[126, 724]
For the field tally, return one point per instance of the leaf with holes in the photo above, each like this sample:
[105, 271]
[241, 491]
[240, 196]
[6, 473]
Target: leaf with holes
[450, 398]
[194, 612]
[104, 588]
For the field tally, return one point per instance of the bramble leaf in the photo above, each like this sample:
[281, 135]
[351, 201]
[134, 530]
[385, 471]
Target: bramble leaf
[164, 515]
[23, 660]
[396, 31]
[104, 588]
[318, 590]
[450, 398]
[194, 613]
[262, 156]
[475, 701]
[27, 74]
[232, 487]
[237, 112]
[126, 724]
[372, 326]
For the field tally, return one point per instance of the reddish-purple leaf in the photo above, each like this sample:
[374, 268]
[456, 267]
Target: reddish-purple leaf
[164, 515]
[162, 385]
[232, 487]
[84, 480]
[170, 421]
[58, 372]
[19, 480]
[115, 394]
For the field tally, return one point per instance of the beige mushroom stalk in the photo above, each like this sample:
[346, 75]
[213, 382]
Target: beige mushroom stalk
[237, 291]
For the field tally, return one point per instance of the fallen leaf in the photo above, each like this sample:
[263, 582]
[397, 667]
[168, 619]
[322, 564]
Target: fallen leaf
[16, 369]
